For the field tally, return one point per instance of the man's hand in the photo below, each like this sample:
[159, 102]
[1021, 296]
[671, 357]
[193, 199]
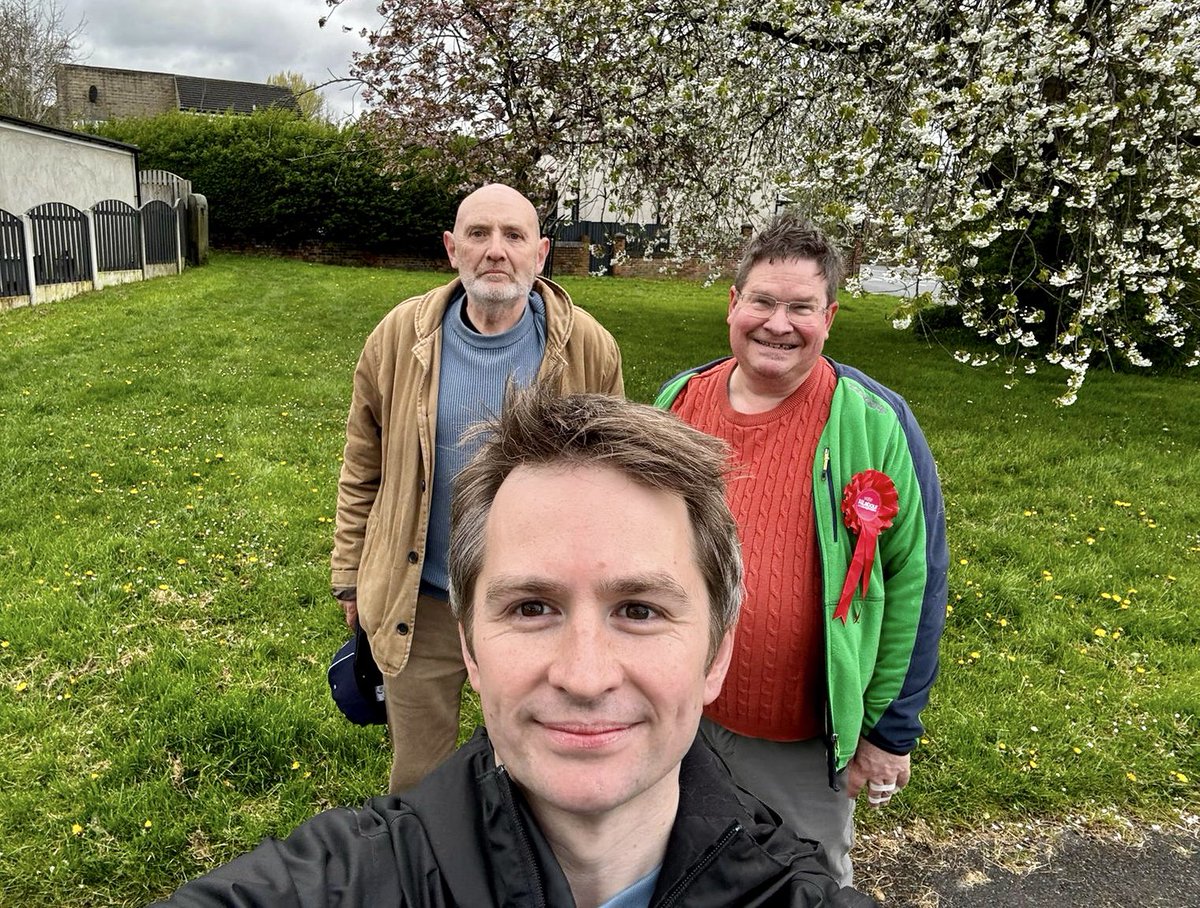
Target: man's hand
[351, 608]
[881, 772]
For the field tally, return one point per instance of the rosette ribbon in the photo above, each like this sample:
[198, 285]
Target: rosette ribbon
[869, 502]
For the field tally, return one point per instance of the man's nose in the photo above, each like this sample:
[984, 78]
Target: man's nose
[778, 321]
[585, 663]
[495, 246]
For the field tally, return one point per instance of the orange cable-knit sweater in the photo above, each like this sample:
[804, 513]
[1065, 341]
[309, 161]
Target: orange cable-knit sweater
[775, 688]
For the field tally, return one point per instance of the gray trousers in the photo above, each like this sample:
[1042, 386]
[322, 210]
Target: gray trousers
[793, 779]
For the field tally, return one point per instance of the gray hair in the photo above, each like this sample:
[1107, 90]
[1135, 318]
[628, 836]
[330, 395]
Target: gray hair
[790, 237]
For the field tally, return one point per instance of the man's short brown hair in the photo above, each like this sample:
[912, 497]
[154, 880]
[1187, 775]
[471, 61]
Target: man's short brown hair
[790, 237]
[653, 448]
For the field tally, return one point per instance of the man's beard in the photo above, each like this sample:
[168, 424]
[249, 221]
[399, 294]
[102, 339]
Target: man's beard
[490, 295]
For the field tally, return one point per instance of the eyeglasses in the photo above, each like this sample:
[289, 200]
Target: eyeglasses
[760, 305]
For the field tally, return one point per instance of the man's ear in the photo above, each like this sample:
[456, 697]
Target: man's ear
[542, 252]
[448, 242]
[468, 659]
[715, 676]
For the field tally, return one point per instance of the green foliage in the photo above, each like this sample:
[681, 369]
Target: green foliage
[165, 620]
[275, 180]
[307, 94]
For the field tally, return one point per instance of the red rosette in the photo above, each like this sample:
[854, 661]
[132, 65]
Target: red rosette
[869, 502]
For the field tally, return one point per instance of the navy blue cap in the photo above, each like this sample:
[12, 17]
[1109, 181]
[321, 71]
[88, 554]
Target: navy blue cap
[356, 682]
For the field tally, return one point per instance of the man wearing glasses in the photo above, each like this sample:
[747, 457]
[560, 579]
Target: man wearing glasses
[842, 524]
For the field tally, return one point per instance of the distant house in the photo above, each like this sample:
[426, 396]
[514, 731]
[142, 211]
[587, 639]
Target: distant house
[91, 94]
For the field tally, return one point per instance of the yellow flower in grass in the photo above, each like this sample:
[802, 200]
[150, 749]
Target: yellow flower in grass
[147, 824]
[76, 829]
[1131, 776]
[1100, 632]
[1179, 777]
[295, 764]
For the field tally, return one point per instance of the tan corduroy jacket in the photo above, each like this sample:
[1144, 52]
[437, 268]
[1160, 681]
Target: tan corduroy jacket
[387, 472]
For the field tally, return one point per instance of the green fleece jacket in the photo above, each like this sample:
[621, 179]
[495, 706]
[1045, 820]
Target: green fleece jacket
[882, 661]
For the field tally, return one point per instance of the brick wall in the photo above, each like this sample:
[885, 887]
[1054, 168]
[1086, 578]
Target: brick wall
[119, 93]
[570, 258]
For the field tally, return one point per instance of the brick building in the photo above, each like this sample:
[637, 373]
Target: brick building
[90, 94]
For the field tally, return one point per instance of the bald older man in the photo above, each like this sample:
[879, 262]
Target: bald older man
[436, 364]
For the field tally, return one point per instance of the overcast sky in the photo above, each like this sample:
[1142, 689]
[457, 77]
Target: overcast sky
[247, 40]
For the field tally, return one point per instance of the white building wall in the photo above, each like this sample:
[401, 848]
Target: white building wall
[37, 167]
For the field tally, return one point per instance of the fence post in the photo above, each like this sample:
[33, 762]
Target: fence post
[142, 240]
[30, 273]
[93, 259]
[180, 207]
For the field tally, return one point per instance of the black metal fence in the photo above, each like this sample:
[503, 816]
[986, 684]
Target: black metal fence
[58, 238]
[14, 279]
[118, 236]
[640, 239]
[162, 232]
[61, 251]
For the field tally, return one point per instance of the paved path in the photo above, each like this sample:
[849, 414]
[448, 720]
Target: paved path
[1069, 867]
[885, 279]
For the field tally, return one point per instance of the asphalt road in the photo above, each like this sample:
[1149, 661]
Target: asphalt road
[1070, 867]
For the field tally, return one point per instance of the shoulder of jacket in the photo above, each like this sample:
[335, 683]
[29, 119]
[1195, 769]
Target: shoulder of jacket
[419, 315]
[866, 395]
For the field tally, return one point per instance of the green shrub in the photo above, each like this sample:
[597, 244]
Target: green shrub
[272, 179]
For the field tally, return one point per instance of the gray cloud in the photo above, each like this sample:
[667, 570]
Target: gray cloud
[225, 39]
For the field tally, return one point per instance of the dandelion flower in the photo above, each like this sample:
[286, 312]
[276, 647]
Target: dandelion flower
[147, 824]
[1131, 776]
[76, 829]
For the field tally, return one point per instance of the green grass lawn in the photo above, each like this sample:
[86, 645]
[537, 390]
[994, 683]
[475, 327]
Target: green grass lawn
[169, 460]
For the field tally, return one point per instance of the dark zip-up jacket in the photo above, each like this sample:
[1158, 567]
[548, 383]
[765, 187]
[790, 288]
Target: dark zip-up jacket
[881, 664]
[465, 837]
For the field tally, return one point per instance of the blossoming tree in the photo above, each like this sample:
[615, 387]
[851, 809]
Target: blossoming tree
[1041, 157]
